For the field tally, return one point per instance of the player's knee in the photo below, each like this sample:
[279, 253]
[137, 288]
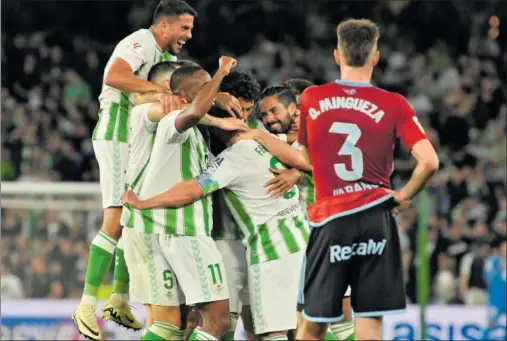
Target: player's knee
[347, 310]
[311, 331]
[368, 328]
[216, 316]
[111, 222]
[170, 315]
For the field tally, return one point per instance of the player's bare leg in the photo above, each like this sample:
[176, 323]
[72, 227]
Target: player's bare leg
[248, 326]
[149, 315]
[166, 324]
[311, 330]
[215, 321]
[344, 330]
[368, 328]
[194, 319]
[281, 335]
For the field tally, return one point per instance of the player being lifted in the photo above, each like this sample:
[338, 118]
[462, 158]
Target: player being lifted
[125, 75]
[348, 130]
[181, 256]
[274, 230]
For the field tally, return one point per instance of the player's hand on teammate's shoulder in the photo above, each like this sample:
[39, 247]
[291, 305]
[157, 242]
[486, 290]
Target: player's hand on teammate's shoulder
[401, 203]
[160, 89]
[226, 64]
[251, 134]
[172, 102]
[283, 181]
[229, 103]
[232, 124]
[130, 198]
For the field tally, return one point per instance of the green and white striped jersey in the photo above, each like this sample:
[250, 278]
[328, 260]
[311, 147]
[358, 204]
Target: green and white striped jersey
[306, 187]
[175, 157]
[253, 122]
[141, 52]
[224, 225]
[140, 139]
[271, 227]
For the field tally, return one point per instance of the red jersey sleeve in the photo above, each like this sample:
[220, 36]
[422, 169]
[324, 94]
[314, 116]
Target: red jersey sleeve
[302, 133]
[408, 128]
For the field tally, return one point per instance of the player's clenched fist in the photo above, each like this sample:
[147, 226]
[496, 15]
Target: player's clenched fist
[226, 64]
[130, 198]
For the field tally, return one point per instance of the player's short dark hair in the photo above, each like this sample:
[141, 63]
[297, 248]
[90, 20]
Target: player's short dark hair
[173, 8]
[160, 68]
[284, 94]
[179, 75]
[357, 40]
[298, 85]
[241, 85]
[186, 62]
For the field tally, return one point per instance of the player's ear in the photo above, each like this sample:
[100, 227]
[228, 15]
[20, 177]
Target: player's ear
[337, 56]
[375, 58]
[167, 84]
[292, 109]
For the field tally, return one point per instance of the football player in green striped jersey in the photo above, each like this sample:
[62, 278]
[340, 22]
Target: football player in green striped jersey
[124, 76]
[278, 107]
[275, 231]
[181, 257]
[226, 232]
[142, 129]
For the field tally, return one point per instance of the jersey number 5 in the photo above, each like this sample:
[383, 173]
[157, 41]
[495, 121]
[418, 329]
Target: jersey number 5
[349, 148]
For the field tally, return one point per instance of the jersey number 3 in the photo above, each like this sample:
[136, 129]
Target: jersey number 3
[349, 148]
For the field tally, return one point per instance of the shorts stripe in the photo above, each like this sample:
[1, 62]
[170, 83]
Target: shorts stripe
[380, 313]
[152, 271]
[201, 270]
[322, 319]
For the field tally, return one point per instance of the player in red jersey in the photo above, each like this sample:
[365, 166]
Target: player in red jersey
[348, 131]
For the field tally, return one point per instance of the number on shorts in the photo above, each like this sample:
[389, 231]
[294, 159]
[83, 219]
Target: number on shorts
[214, 270]
[276, 164]
[167, 275]
[349, 148]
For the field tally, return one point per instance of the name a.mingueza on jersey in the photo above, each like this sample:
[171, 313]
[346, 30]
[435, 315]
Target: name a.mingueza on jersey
[351, 103]
[357, 187]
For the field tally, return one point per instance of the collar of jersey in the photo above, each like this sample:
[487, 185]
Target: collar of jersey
[342, 82]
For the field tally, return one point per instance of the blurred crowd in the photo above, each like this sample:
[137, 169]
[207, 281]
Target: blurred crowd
[449, 61]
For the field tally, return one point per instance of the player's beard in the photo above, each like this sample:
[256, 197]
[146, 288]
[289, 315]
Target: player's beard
[284, 127]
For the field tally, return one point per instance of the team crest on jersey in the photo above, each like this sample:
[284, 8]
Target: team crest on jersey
[169, 294]
[136, 45]
[218, 288]
[350, 91]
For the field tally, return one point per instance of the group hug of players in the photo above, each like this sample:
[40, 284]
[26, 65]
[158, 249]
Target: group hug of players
[223, 201]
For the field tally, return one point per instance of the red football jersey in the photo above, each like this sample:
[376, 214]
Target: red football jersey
[350, 130]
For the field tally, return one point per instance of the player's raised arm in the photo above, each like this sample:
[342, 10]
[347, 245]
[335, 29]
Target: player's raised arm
[413, 138]
[204, 99]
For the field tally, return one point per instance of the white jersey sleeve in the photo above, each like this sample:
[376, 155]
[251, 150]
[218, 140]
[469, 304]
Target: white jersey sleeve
[140, 120]
[135, 49]
[140, 139]
[220, 173]
[167, 127]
